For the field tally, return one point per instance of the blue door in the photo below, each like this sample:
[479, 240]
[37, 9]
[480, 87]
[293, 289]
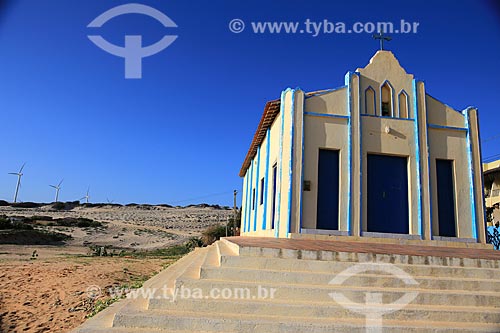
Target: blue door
[445, 198]
[328, 190]
[387, 194]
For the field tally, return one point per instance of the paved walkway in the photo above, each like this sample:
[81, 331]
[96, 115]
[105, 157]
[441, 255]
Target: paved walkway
[364, 247]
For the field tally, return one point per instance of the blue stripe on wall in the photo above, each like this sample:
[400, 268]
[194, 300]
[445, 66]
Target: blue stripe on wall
[301, 203]
[290, 164]
[349, 150]
[250, 197]
[266, 180]
[257, 181]
[471, 176]
[317, 114]
[417, 157]
[280, 163]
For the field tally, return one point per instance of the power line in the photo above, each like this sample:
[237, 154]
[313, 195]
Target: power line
[204, 197]
[491, 138]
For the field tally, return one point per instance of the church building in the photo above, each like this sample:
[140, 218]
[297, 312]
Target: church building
[378, 157]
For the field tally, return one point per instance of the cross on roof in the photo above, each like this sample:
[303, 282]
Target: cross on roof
[380, 36]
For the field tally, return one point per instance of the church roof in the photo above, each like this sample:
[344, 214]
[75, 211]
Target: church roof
[271, 111]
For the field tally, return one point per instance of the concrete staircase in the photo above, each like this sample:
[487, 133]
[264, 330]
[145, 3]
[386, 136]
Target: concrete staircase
[221, 288]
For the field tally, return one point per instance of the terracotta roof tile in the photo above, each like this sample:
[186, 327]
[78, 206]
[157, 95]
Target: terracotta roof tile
[271, 110]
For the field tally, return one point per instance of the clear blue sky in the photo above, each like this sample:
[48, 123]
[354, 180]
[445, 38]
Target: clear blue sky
[182, 131]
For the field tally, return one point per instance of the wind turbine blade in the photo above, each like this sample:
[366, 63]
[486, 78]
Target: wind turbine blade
[60, 182]
[13, 173]
[53, 186]
[21, 170]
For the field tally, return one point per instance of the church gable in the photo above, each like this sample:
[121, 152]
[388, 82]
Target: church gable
[385, 87]
[441, 114]
[332, 102]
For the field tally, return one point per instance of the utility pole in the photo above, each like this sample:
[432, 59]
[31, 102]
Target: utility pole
[235, 210]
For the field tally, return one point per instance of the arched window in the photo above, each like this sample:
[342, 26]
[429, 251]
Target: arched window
[370, 101]
[386, 100]
[403, 104]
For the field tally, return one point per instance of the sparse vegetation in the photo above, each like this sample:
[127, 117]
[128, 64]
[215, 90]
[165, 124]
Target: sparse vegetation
[10, 223]
[32, 237]
[214, 233]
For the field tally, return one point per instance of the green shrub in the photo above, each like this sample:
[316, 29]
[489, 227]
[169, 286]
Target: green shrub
[17, 225]
[5, 223]
[213, 233]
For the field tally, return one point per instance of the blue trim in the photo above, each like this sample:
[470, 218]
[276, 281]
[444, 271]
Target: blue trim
[417, 157]
[385, 117]
[374, 101]
[317, 114]
[431, 217]
[471, 176]
[290, 165]
[447, 127]
[349, 152]
[257, 183]
[280, 163]
[301, 203]
[360, 127]
[250, 196]
[326, 91]
[266, 179]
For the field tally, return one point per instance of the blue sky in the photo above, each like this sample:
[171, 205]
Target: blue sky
[180, 134]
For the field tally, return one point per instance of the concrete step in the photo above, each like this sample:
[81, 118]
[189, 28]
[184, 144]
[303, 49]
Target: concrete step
[196, 321]
[378, 278]
[322, 255]
[323, 293]
[332, 267]
[329, 309]
[136, 330]
[163, 280]
[364, 257]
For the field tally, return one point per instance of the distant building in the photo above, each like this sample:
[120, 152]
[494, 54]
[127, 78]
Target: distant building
[377, 157]
[491, 172]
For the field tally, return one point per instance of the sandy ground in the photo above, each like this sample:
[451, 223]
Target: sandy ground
[49, 293]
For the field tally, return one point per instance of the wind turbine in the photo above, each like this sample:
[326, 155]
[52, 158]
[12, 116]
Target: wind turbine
[19, 175]
[87, 196]
[57, 187]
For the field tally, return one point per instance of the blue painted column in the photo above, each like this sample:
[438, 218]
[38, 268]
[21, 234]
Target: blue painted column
[290, 163]
[471, 175]
[249, 197]
[266, 180]
[257, 183]
[416, 137]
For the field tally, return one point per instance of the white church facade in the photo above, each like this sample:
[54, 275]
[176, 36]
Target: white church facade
[377, 157]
